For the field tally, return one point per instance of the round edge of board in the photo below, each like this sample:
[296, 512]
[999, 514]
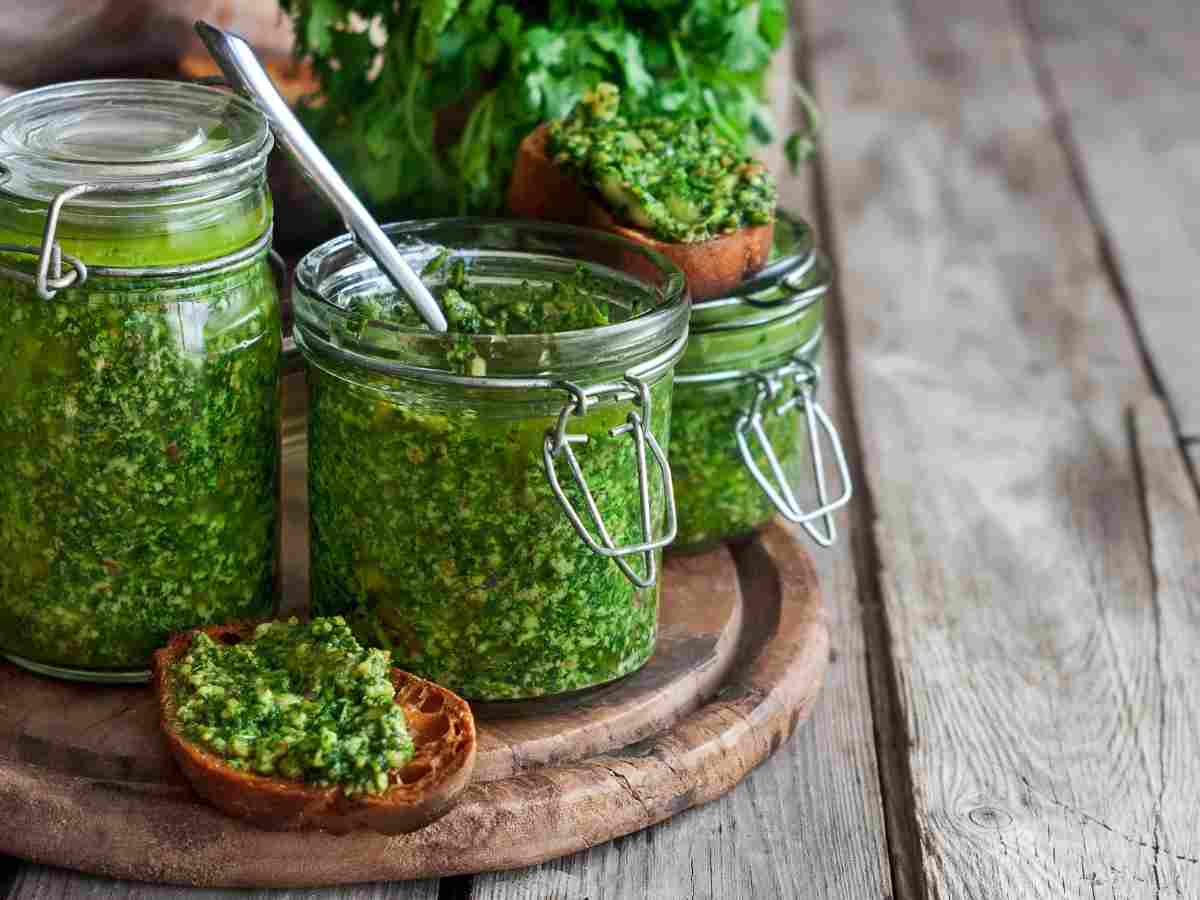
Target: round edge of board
[160, 833]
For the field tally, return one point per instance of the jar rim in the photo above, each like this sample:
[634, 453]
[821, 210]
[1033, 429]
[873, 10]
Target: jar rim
[793, 290]
[647, 333]
[137, 142]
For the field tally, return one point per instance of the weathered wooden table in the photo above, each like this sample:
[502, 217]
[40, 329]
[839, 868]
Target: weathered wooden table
[1012, 193]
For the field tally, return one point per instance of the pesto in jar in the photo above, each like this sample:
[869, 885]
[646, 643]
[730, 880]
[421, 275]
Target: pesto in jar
[301, 701]
[678, 178]
[139, 409]
[717, 497]
[435, 530]
[138, 457]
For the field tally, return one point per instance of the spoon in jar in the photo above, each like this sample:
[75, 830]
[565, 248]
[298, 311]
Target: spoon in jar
[246, 75]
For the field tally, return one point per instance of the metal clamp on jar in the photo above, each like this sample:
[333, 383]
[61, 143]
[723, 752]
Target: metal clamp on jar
[738, 452]
[140, 406]
[442, 527]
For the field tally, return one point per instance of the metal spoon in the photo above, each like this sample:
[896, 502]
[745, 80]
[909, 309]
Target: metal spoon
[245, 73]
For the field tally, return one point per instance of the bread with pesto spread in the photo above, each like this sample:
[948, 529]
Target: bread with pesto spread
[543, 186]
[424, 788]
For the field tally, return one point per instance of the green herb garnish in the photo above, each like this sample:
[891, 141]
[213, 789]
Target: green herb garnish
[423, 104]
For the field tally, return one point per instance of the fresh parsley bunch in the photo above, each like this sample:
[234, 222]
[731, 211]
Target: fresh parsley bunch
[424, 102]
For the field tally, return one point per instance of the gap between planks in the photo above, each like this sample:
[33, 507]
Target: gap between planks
[1032, 661]
[1122, 82]
[890, 731]
[1160, 372]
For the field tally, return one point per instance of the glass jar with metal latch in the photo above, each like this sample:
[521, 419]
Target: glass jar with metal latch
[139, 407]
[492, 507]
[748, 437]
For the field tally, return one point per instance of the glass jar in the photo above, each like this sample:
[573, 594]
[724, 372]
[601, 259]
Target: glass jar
[745, 424]
[139, 408]
[492, 508]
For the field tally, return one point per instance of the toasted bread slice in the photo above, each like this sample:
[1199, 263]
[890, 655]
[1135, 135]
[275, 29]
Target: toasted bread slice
[540, 189]
[443, 733]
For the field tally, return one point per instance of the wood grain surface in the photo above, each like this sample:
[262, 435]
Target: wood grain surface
[1173, 733]
[1125, 79]
[993, 369]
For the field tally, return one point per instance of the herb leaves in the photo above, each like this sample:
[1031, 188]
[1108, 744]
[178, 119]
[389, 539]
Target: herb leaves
[423, 104]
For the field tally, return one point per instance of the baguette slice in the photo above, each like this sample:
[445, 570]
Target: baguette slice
[540, 189]
[444, 739]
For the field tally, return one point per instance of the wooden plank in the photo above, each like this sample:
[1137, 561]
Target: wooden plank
[992, 368]
[1173, 513]
[808, 823]
[48, 883]
[1127, 79]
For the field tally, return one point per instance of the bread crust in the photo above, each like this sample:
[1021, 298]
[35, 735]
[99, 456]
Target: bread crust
[540, 189]
[425, 788]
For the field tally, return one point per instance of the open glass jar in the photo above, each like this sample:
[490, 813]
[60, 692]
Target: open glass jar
[492, 508]
[139, 407]
[746, 427]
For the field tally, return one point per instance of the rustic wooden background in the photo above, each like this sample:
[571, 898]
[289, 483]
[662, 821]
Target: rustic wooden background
[1011, 191]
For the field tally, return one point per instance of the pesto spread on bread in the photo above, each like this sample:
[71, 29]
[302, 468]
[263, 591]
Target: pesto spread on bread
[297, 700]
[678, 178]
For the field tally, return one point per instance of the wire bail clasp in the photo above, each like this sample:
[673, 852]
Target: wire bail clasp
[804, 375]
[50, 278]
[559, 442]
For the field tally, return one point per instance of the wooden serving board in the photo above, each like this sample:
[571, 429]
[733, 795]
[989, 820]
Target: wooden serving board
[85, 781]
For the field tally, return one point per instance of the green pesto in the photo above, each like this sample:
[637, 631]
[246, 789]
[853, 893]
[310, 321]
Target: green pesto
[471, 308]
[304, 701]
[715, 493]
[435, 531]
[138, 456]
[679, 178]
[716, 496]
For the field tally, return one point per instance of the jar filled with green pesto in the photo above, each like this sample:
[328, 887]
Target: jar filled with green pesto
[490, 504]
[139, 406]
[747, 434]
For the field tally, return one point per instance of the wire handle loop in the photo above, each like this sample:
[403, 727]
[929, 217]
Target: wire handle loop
[50, 277]
[804, 375]
[559, 442]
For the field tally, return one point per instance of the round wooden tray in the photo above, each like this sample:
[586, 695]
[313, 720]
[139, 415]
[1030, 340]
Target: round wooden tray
[85, 781]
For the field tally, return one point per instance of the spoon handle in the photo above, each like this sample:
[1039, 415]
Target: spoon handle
[246, 74]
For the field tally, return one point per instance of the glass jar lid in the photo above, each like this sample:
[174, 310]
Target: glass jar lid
[135, 142]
